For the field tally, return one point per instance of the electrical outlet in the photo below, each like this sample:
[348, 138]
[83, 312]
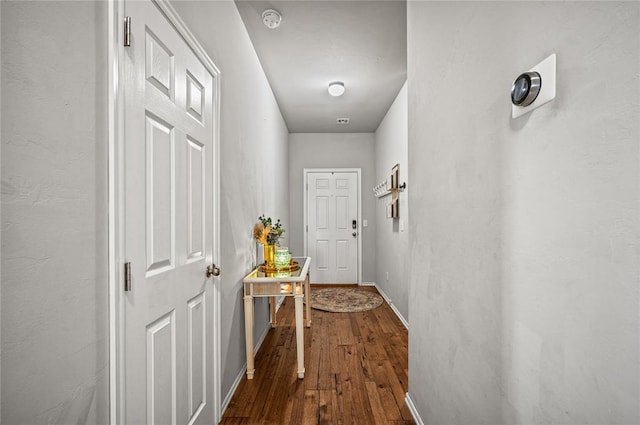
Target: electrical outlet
[387, 276]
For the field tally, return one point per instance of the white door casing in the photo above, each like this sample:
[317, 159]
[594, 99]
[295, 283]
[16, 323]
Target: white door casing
[331, 237]
[164, 188]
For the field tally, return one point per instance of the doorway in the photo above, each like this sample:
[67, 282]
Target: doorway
[164, 236]
[332, 229]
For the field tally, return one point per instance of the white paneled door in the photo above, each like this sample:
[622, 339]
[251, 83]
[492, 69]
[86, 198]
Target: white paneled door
[332, 236]
[169, 170]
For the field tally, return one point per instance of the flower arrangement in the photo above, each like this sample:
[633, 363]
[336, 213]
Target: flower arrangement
[266, 231]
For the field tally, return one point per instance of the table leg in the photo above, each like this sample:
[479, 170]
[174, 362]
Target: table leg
[248, 333]
[299, 335]
[272, 311]
[307, 298]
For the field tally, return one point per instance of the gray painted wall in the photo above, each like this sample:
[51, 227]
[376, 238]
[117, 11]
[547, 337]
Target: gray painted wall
[54, 199]
[54, 213]
[254, 162]
[524, 233]
[333, 150]
[392, 243]
[0, 219]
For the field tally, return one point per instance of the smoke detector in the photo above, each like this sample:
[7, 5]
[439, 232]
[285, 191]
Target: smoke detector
[271, 18]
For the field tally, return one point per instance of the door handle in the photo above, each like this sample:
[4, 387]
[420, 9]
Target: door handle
[354, 234]
[212, 270]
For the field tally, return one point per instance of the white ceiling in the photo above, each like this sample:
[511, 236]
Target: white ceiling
[361, 43]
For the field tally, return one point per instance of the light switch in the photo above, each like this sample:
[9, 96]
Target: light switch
[401, 225]
[365, 223]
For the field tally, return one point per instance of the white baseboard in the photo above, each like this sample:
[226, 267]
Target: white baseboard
[368, 284]
[393, 307]
[232, 391]
[413, 410]
[243, 371]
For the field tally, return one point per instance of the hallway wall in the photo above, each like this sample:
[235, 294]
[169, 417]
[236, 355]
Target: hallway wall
[333, 150]
[0, 219]
[254, 156]
[392, 242]
[524, 233]
[54, 199]
[54, 213]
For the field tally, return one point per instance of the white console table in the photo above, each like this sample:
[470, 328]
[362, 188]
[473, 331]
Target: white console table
[290, 284]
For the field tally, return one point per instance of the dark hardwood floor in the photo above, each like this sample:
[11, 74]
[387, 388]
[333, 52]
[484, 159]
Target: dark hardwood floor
[356, 372]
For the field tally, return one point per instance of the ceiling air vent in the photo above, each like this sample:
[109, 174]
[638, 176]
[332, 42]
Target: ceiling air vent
[343, 121]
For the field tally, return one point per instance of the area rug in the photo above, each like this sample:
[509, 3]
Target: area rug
[344, 300]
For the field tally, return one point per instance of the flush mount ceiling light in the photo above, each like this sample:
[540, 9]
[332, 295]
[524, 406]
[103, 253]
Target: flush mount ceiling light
[271, 18]
[336, 88]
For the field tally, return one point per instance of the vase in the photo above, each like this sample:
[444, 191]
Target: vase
[270, 255]
[282, 258]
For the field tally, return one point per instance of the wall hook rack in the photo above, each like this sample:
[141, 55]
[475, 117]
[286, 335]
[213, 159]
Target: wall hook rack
[391, 186]
[382, 189]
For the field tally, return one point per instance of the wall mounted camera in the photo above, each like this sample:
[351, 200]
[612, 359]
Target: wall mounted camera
[534, 88]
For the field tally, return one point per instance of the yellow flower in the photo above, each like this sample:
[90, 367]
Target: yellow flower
[265, 233]
[261, 233]
[257, 231]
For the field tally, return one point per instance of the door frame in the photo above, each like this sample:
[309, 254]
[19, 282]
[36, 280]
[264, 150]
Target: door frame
[305, 207]
[115, 113]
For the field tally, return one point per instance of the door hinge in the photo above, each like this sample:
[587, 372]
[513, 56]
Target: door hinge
[307, 186]
[127, 31]
[127, 277]
[307, 227]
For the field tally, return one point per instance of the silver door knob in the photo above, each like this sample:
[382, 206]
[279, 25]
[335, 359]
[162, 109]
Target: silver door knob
[354, 234]
[212, 270]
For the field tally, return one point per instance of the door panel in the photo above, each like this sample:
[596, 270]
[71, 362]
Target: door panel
[332, 205]
[161, 370]
[322, 183]
[343, 218]
[342, 183]
[321, 258]
[159, 64]
[169, 169]
[342, 255]
[195, 97]
[160, 197]
[195, 203]
[197, 385]
[322, 213]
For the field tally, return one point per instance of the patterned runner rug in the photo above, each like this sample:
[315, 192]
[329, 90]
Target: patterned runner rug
[344, 300]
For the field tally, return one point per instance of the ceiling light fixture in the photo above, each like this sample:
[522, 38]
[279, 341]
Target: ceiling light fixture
[271, 18]
[336, 88]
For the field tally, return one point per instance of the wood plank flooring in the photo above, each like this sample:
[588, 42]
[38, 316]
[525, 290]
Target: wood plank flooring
[355, 372]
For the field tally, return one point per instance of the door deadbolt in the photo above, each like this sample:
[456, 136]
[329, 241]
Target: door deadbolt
[212, 270]
[354, 234]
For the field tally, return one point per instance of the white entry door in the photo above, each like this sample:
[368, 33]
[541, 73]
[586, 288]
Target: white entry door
[169, 228]
[332, 237]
